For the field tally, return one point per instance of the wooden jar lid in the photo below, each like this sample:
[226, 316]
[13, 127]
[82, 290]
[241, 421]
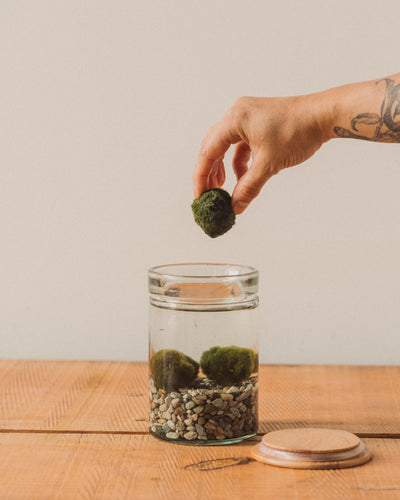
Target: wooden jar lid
[311, 449]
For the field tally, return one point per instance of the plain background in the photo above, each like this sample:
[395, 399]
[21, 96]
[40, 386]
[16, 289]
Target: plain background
[103, 106]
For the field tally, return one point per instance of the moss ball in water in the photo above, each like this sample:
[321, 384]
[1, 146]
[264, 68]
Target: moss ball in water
[171, 369]
[228, 365]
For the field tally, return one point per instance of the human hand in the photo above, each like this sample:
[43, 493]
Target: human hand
[275, 133]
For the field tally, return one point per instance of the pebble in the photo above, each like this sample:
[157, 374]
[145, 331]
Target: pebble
[176, 402]
[200, 398]
[172, 435]
[190, 435]
[245, 394]
[200, 430]
[235, 411]
[171, 424]
[206, 412]
[226, 397]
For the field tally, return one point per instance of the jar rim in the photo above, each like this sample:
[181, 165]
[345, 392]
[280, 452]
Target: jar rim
[240, 271]
[202, 284]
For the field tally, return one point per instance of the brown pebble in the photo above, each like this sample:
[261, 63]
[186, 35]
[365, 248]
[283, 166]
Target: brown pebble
[227, 397]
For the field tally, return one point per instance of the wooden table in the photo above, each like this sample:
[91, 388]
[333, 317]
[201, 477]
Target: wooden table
[78, 429]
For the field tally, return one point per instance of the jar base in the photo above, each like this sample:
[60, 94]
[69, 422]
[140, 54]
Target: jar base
[205, 442]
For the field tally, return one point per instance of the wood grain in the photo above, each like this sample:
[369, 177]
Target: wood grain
[311, 448]
[78, 429]
[361, 399]
[306, 440]
[83, 466]
[87, 396]
[99, 396]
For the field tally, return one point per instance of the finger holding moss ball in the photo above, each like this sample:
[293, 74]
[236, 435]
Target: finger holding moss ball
[171, 369]
[213, 212]
[228, 365]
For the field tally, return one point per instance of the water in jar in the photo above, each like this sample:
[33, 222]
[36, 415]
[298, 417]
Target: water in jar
[213, 402]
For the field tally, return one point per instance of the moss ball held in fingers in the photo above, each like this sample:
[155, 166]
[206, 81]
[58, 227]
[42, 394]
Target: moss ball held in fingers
[213, 212]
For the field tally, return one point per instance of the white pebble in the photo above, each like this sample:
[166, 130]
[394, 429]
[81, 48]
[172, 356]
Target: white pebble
[190, 435]
[171, 424]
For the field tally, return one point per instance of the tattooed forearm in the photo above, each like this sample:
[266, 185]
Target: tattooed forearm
[380, 128]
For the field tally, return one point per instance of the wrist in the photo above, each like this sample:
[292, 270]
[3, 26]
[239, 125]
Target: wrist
[323, 113]
[353, 110]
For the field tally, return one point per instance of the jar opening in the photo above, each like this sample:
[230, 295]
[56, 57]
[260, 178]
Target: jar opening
[203, 283]
[203, 270]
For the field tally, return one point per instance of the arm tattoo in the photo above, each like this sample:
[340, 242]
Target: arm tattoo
[384, 127]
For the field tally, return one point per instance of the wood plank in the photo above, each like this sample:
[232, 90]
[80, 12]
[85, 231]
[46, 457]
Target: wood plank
[99, 396]
[73, 395]
[360, 399]
[69, 466]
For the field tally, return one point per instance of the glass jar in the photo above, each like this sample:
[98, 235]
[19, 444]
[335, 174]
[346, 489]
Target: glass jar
[203, 353]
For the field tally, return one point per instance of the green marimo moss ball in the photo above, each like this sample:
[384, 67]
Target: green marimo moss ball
[213, 212]
[172, 369]
[228, 365]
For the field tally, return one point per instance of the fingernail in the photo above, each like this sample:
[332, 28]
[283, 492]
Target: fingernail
[240, 206]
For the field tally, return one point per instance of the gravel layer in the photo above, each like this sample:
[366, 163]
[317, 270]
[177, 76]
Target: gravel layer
[205, 412]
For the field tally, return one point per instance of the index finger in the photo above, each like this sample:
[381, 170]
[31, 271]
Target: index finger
[214, 146]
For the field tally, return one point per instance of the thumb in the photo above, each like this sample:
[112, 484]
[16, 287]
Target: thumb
[250, 184]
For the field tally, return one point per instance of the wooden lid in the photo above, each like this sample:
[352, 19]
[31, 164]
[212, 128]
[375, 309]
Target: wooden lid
[311, 449]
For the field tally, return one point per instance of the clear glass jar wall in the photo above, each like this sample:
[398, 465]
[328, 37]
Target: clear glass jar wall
[203, 353]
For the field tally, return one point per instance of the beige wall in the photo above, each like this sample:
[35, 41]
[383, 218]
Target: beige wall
[103, 105]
